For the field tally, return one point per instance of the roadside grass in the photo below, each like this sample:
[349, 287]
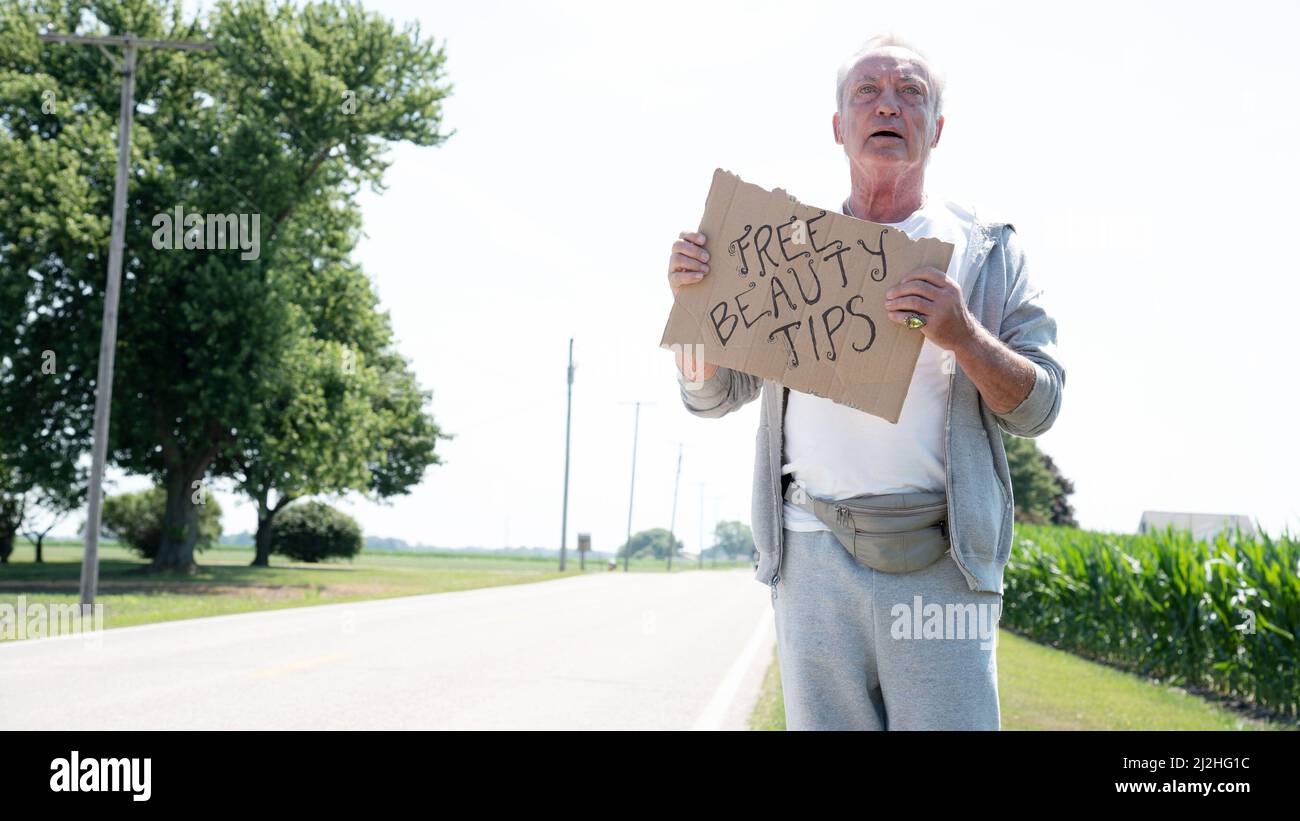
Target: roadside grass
[1042, 688]
[225, 583]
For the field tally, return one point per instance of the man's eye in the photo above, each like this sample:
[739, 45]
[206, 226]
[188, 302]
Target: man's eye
[865, 88]
[913, 88]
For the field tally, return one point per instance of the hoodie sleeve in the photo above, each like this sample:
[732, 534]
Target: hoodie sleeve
[1029, 330]
[719, 395]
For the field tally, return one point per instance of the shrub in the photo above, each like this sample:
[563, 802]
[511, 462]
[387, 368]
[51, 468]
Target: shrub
[136, 520]
[312, 531]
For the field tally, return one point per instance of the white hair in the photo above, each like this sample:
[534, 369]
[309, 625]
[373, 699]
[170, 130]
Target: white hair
[881, 41]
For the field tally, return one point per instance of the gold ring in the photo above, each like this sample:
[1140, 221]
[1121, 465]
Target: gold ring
[915, 321]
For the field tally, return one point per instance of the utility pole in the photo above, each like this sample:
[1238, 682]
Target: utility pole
[701, 525]
[636, 427]
[672, 526]
[130, 44]
[568, 417]
[715, 499]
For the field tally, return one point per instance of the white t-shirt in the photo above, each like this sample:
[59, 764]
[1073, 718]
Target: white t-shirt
[837, 452]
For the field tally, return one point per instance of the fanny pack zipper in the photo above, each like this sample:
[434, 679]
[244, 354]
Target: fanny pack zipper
[939, 525]
[844, 514]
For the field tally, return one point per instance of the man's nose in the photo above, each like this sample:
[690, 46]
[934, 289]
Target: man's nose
[887, 103]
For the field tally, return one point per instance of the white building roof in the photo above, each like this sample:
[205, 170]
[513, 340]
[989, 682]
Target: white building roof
[1201, 525]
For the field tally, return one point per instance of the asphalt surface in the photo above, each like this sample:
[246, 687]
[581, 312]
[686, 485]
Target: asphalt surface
[601, 651]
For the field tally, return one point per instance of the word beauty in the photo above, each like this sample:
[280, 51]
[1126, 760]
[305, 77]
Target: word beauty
[796, 294]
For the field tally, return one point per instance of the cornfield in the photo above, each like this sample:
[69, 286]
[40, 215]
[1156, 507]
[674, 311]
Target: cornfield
[1222, 615]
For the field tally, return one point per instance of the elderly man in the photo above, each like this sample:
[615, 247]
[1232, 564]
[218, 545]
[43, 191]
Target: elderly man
[861, 648]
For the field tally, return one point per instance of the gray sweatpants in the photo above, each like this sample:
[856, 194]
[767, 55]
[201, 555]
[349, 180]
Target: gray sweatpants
[864, 650]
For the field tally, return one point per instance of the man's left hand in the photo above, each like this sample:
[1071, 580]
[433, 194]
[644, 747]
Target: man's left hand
[928, 292]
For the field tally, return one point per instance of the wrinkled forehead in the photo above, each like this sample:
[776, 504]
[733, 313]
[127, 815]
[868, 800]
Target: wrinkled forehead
[889, 61]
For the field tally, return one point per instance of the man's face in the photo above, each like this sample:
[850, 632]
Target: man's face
[887, 91]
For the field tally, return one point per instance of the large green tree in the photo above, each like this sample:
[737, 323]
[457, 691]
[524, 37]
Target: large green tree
[45, 217]
[338, 420]
[1040, 491]
[40, 480]
[342, 412]
[285, 120]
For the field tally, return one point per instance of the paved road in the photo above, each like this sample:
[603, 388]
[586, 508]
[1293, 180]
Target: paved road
[600, 651]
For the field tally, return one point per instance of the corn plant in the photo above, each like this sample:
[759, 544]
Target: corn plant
[1221, 614]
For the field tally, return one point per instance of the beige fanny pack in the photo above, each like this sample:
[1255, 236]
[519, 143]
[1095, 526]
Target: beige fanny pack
[889, 532]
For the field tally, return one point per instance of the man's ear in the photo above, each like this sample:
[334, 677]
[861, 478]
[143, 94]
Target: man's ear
[938, 129]
[835, 126]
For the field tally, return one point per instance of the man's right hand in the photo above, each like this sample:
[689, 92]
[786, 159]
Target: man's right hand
[688, 265]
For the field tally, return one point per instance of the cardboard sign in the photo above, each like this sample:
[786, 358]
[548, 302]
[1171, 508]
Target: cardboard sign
[796, 294]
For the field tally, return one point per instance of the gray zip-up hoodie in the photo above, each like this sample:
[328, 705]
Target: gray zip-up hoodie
[1005, 300]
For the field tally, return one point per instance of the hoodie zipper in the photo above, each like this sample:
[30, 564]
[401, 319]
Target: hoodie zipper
[947, 434]
[947, 425]
[774, 472]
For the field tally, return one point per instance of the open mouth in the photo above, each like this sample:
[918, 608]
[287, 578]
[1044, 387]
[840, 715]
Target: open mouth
[887, 133]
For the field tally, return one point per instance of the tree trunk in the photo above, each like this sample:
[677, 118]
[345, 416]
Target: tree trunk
[40, 540]
[180, 524]
[6, 544]
[264, 517]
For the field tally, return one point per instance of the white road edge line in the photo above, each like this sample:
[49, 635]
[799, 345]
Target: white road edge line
[716, 710]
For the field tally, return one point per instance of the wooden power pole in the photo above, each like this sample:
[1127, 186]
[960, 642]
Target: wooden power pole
[130, 45]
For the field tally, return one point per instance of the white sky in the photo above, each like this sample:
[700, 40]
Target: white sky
[1127, 142]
